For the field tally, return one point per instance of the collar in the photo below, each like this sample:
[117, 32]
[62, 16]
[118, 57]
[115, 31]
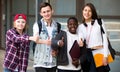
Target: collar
[52, 23]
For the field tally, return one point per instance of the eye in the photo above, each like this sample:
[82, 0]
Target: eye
[44, 12]
[18, 21]
[23, 21]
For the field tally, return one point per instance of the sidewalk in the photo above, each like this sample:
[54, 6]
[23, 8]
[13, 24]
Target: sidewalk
[2, 52]
[1, 59]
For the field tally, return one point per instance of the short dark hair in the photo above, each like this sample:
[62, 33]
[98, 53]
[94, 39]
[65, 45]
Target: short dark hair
[74, 18]
[44, 4]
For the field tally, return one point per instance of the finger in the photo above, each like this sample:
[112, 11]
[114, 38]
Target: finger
[80, 39]
[62, 38]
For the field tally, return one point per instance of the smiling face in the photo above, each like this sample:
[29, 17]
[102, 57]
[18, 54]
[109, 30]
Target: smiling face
[87, 13]
[46, 12]
[72, 25]
[20, 24]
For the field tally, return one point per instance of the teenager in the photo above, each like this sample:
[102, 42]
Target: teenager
[44, 60]
[17, 46]
[96, 43]
[63, 44]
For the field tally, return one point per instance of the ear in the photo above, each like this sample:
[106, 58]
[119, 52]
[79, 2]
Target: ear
[67, 25]
[40, 13]
[14, 24]
[52, 11]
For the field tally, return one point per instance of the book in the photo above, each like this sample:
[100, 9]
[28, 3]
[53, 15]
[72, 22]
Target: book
[75, 50]
[98, 58]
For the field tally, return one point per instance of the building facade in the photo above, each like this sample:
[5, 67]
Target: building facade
[108, 10]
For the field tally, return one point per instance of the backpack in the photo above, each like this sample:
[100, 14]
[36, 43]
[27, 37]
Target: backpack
[40, 28]
[112, 51]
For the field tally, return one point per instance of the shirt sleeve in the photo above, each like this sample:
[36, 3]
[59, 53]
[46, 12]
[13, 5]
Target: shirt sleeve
[80, 33]
[35, 29]
[105, 41]
[12, 36]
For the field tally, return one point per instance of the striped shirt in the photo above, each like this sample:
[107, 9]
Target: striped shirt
[17, 51]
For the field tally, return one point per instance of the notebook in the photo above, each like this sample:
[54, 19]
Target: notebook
[75, 50]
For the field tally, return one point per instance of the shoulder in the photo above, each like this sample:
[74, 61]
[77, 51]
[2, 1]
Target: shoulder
[58, 24]
[62, 31]
[13, 30]
[99, 20]
[35, 24]
[81, 25]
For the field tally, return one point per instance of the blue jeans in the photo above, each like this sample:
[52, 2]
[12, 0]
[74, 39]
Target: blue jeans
[7, 70]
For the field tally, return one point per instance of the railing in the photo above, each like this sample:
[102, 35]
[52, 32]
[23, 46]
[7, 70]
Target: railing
[113, 30]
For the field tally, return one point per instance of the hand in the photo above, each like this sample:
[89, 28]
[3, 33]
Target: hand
[105, 61]
[54, 53]
[75, 62]
[61, 42]
[80, 43]
[34, 38]
[48, 41]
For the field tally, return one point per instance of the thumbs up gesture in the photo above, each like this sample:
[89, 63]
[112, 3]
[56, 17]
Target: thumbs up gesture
[80, 43]
[61, 42]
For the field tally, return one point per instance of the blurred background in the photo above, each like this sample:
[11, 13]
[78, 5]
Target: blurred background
[63, 9]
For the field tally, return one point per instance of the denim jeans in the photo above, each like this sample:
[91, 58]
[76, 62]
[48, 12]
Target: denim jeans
[59, 70]
[7, 70]
[41, 69]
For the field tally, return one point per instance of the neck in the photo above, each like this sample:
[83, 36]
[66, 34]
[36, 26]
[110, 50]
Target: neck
[88, 20]
[48, 22]
[19, 31]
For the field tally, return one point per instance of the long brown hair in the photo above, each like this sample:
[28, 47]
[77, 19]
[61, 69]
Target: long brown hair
[94, 13]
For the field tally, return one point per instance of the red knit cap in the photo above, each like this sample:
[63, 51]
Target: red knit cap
[20, 16]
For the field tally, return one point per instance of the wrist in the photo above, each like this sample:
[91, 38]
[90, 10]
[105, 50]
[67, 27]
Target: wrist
[30, 38]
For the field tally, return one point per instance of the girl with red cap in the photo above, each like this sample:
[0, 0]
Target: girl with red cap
[17, 46]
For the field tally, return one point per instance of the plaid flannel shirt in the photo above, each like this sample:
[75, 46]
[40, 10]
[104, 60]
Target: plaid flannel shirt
[17, 51]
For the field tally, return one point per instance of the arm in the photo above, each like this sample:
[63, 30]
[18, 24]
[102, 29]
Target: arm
[47, 42]
[80, 31]
[36, 32]
[105, 41]
[14, 37]
[58, 40]
[35, 29]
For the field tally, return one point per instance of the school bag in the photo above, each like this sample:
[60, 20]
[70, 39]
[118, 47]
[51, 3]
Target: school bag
[111, 49]
[40, 28]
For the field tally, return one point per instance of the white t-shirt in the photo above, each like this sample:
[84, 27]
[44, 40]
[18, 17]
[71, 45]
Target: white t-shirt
[70, 40]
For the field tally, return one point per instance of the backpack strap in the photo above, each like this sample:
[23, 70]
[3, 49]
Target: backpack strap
[101, 28]
[100, 23]
[112, 51]
[39, 26]
[58, 26]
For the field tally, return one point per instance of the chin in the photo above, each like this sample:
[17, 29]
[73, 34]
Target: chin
[73, 32]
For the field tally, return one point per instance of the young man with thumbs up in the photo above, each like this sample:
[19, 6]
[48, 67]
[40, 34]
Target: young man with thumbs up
[44, 60]
[64, 41]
